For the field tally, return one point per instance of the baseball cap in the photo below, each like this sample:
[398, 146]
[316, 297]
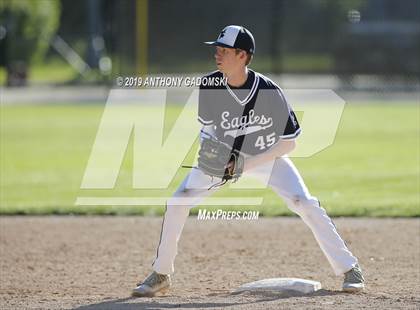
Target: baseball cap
[235, 37]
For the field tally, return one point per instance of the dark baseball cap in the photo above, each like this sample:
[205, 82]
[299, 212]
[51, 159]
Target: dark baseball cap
[235, 37]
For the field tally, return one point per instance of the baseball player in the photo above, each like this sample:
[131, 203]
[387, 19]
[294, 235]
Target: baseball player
[251, 128]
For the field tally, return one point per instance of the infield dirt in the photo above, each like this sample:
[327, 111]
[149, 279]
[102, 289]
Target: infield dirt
[94, 262]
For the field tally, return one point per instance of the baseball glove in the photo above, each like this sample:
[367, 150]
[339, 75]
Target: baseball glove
[217, 159]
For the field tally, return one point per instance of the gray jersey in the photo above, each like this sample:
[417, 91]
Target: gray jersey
[257, 114]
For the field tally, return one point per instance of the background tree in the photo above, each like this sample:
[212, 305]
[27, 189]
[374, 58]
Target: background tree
[27, 28]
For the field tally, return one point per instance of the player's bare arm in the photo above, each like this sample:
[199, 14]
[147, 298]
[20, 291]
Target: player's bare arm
[283, 147]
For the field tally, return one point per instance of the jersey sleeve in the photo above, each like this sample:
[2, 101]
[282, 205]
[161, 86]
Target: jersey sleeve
[205, 115]
[292, 129]
[290, 125]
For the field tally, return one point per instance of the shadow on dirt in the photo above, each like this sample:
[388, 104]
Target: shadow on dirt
[131, 303]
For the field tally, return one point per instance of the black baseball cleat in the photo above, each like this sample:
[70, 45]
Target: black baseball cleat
[353, 280]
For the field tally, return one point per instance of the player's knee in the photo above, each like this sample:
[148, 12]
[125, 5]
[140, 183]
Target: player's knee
[183, 192]
[302, 205]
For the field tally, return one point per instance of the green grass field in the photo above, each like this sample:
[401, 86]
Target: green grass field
[372, 169]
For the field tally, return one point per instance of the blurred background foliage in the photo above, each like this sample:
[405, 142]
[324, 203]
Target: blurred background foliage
[30, 25]
[26, 30]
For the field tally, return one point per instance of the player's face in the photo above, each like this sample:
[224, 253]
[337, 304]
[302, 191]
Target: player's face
[227, 60]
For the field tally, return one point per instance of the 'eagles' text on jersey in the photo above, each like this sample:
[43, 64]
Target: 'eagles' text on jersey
[258, 111]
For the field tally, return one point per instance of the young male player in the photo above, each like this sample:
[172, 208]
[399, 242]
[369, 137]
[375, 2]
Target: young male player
[252, 114]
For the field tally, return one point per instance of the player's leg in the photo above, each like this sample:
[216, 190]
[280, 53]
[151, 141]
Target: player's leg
[190, 193]
[286, 181]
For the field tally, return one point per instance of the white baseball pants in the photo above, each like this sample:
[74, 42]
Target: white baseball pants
[286, 181]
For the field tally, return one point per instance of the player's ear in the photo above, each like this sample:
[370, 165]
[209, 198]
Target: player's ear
[241, 53]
